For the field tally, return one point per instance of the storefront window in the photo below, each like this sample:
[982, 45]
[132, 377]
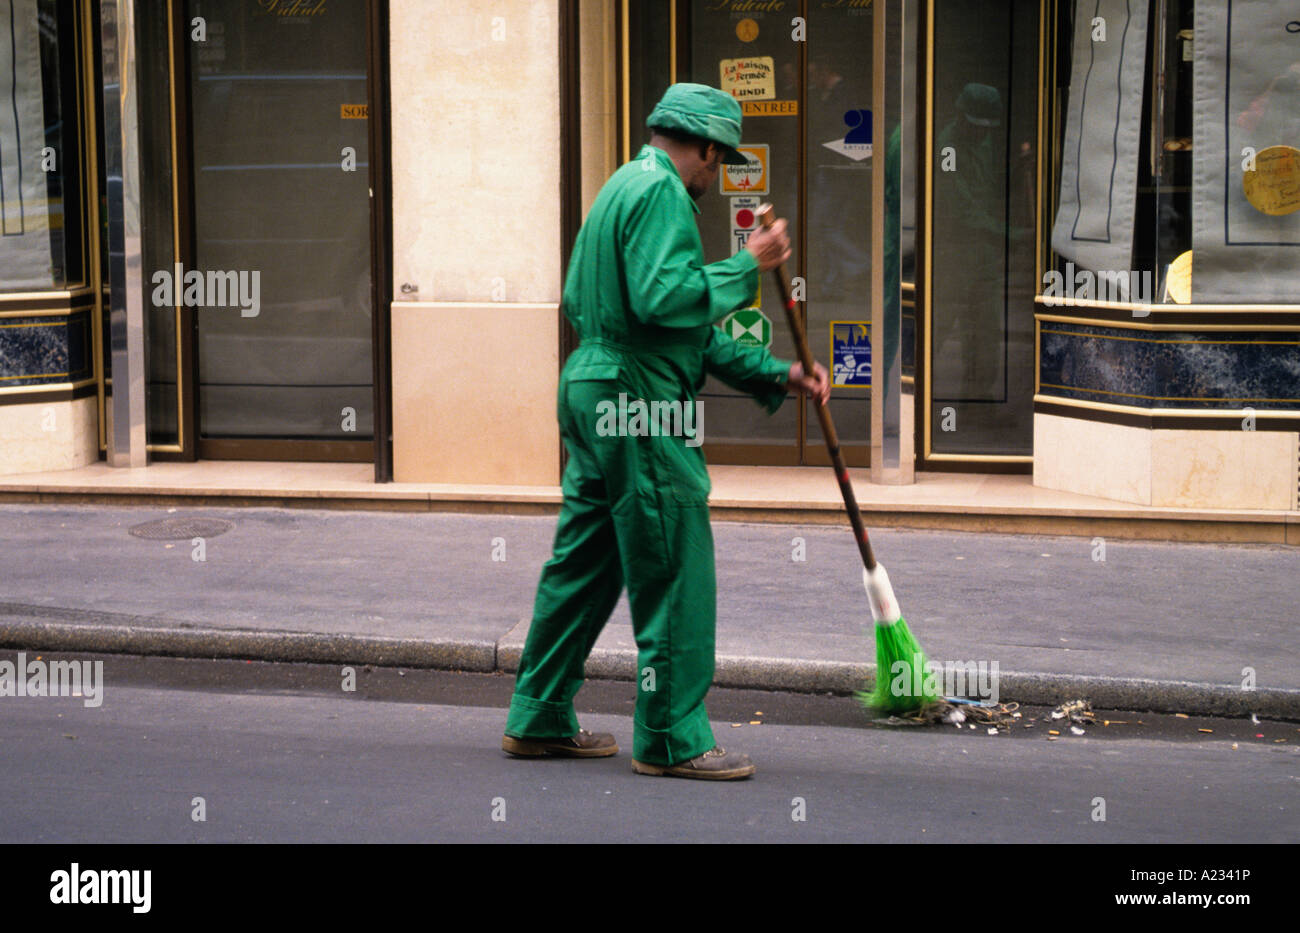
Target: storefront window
[1179, 184]
[1181, 140]
[41, 193]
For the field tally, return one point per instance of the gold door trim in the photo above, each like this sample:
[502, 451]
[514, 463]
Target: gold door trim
[672, 41]
[1053, 301]
[46, 387]
[69, 295]
[1166, 412]
[181, 375]
[625, 91]
[927, 300]
[1138, 325]
[90, 176]
[982, 458]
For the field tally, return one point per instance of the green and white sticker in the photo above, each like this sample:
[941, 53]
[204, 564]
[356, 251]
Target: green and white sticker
[749, 327]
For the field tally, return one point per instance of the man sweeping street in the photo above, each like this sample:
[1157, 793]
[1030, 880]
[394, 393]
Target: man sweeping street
[635, 511]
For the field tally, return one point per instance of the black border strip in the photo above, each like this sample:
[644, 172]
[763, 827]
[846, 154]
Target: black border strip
[1241, 321]
[80, 314]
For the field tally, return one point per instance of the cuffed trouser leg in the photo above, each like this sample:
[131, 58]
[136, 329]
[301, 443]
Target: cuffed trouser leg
[579, 587]
[674, 623]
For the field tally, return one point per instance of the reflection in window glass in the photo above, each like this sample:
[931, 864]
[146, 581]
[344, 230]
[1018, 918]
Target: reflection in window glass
[982, 275]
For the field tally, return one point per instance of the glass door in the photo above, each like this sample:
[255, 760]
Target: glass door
[281, 278]
[840, 154]
[806, 95]
[983, 119]
[968, 253]
[752, 57]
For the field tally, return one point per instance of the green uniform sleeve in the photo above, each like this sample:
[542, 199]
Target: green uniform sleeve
[667, 282]
[751, 370]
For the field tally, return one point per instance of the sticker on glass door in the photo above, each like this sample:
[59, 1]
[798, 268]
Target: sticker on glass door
[752, 78]
[744, 221]
[851, 353]
[749, 327]
[856, 143]
[750, 178]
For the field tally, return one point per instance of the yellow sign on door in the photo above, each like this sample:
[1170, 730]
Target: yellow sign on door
[749, 78]
[750, 178]
[770, 108]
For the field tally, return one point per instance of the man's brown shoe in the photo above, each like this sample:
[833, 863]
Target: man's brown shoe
[717, 764]
[583, 745]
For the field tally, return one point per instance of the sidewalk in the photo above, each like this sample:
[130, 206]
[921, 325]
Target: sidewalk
[806, 495]
[1155, 626]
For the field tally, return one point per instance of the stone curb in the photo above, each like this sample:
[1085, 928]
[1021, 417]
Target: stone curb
[196, 642]
[754, 673]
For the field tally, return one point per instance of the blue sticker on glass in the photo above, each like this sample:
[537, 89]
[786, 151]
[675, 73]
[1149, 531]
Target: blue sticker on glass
[856, 142]
[851, 353]
[859, 124]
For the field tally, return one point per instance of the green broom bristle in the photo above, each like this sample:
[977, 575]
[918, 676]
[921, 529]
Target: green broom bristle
[912, 686]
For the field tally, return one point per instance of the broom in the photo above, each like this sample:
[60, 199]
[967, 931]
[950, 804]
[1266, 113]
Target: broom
[903, 681]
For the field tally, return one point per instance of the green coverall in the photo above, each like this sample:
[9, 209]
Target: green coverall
[636, 507]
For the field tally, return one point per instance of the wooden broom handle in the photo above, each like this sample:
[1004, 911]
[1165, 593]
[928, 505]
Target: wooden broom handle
[767, 216]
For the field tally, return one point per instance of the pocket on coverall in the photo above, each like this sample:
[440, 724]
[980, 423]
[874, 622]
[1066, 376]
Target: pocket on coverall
[634, 474]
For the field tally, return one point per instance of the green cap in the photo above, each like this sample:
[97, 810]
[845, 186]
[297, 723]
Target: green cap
[701, 111]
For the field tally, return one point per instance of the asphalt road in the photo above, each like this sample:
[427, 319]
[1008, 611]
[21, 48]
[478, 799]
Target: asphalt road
[281, 753]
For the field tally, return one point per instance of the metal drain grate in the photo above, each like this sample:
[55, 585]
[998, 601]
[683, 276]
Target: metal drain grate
[181, 529]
